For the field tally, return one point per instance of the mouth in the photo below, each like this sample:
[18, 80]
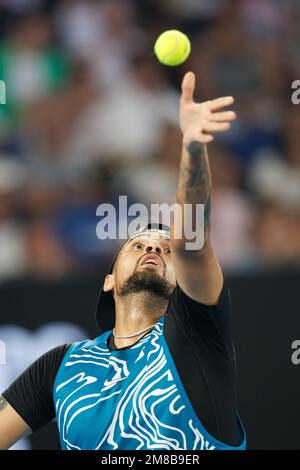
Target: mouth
[151, 260]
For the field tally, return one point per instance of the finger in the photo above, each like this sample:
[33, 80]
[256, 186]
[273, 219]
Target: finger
[217, 126]
[188, 87]
[206, 138]
[222, 117]
[221, 102]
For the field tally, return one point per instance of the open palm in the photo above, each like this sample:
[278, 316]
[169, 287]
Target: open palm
[199, 121]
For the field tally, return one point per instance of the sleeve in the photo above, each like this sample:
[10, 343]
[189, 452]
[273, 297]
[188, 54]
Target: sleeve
[31, 393]
[211, 323]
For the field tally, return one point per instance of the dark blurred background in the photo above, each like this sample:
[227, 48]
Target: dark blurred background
[90, 114]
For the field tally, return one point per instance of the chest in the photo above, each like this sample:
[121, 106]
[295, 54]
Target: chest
[103, 398]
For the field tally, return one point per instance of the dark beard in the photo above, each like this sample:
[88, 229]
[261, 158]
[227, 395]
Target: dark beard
[149, 282]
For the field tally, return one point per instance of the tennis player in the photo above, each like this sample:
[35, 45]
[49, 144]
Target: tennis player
[162, 373]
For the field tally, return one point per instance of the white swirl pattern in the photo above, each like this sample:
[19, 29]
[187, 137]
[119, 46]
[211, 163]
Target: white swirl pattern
[125, 399]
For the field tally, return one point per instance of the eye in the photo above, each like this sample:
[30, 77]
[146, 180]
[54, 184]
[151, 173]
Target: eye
[168, 251]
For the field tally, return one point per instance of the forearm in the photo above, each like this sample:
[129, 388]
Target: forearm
[194, 183]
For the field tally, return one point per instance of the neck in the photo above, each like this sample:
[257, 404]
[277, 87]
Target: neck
[135, 312]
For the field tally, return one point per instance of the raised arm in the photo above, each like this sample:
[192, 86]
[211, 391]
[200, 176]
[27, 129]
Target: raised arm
[12, 426]
[197, 270]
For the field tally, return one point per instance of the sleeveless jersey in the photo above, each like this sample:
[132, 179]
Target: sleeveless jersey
[131, 399]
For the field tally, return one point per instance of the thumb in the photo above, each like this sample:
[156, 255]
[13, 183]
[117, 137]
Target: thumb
[188, 87]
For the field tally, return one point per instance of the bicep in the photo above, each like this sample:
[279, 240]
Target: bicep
[12, 425]
[198, 274]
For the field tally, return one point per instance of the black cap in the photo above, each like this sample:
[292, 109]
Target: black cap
[105, 308]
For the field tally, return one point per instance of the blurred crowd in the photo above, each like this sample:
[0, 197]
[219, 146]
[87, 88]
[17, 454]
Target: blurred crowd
[90, 114]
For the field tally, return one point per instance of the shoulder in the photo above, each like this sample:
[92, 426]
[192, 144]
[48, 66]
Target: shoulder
[89, 344]
[180, 300]
[49, 362]
[209, 324]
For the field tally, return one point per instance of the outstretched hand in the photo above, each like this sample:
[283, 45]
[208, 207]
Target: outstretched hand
[199, 121]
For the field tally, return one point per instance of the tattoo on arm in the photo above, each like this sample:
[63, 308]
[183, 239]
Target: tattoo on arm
[194, 185]
[3, 403]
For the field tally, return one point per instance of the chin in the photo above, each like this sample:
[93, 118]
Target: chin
[154, 269]
[147, 280]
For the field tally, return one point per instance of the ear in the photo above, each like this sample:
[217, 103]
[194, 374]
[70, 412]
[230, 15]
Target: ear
[109, 283]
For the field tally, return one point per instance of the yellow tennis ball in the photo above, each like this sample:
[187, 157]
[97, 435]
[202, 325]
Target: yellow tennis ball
[172, 47]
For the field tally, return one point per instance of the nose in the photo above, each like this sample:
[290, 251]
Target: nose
[154, 247]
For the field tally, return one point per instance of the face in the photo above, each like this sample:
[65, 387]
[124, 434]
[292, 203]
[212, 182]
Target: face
[143, 264]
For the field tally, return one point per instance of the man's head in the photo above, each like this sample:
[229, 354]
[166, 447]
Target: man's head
[142, 265]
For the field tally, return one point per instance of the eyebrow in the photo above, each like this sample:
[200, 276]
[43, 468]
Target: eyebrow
[140, 240]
